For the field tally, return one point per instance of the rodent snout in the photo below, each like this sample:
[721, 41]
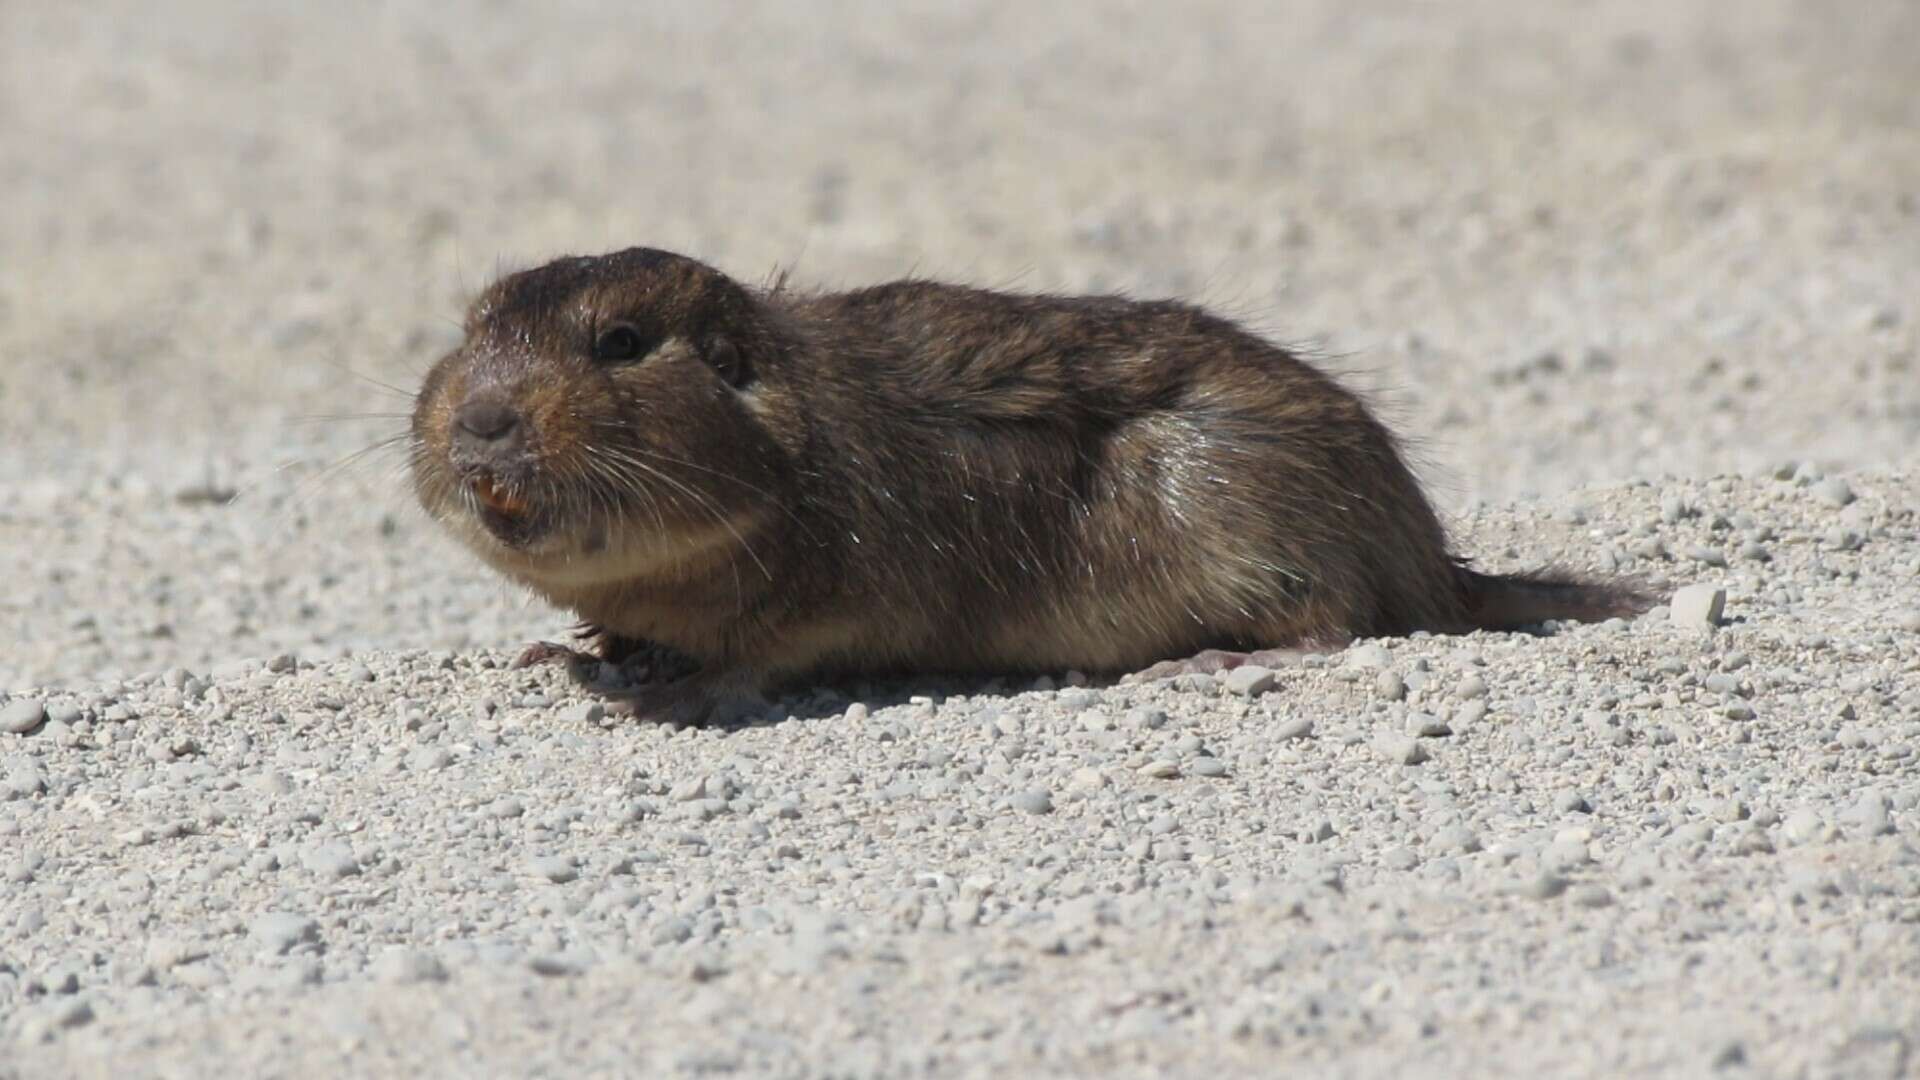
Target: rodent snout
[487, 429]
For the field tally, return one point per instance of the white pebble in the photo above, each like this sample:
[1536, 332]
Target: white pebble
[1399, 749]
[1698, 605]
[1834, 491]
[1249, 680]
[1369, 655]
[1870, 815]
[1034, 801]
[21, 715]
[279, 932]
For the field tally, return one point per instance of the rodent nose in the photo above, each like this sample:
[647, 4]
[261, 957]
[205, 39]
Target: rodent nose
[488, 420]
[487, 427]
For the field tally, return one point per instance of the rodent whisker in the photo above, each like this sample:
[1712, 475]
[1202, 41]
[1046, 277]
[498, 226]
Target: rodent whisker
[671, 460]
[704, 502]
[344, 417]
[369, 380]
[307, 488]
[607, 464]
[619, 478]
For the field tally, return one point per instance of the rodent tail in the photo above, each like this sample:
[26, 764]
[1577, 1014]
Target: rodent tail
[1512, 601]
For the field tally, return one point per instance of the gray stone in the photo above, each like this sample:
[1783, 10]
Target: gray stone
[1542, 886]
[1399, 749]
[1590, 895]
[1698, 605]
[280, 932]
[330, 860]
[558, 869]
[22, 715]
[408, 966]
[1834, 491]
[1700, 553]
[24, 781]
[1249, 680]
[1571, 802]
[1034, 801]
[1370, 654]
[1389, 685]
[1870, 815]
[672, 931]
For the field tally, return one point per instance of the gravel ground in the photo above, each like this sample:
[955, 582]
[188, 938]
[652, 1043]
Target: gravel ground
[1637, 279]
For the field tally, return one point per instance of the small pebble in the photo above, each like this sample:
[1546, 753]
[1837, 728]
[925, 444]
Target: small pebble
[556, 965]
[1372, 654]
[1834, 491]
[70, 1013]
[1589, 895]
[558, 869]
[1870, 815]
[1146, 719]
[331, 861]
[1467, 715]
[1299, 727]
[672, 932]
[1389, 685]
[24, 782]
[1249, 680]
[1399, 749]
[1571, 802]
[1699, 553]
[1542, 886]
[1698, 605]
[280, 933]
[408, 966]
[1034, 801]
[21, 715]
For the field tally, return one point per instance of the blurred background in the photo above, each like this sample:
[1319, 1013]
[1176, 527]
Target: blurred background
[1565, 243]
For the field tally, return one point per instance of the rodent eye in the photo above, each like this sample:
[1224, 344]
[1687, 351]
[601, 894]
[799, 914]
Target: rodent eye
[619, 342]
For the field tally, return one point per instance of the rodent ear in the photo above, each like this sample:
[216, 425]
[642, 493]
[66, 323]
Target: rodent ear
[727, 360]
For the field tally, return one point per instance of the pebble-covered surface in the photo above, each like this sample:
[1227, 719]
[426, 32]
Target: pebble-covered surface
[273, 803]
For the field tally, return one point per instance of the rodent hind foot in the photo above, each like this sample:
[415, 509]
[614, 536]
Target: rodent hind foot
[695, 700]
[1214, 661]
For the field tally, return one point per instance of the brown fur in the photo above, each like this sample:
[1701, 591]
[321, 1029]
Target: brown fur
[919, 476]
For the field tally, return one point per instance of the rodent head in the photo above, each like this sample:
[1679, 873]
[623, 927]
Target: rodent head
[603, 420]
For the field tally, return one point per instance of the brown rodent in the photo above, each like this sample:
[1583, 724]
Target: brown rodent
[927, 477]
